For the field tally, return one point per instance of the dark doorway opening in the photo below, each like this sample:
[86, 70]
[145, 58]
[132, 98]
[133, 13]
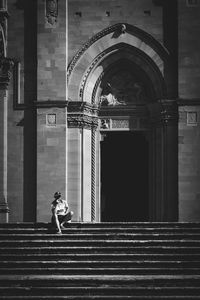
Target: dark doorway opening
[124, 177]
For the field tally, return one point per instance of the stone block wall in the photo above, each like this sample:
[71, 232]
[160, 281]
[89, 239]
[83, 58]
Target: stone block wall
[51, 159]
[189, 49]
[189, 90]
[87, 18]
[51, 54]
[189, 165]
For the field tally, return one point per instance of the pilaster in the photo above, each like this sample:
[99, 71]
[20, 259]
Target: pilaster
[6, 65]
[5, 74]
[164, 122]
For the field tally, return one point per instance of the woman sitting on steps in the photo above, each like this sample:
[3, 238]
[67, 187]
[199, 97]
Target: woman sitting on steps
[60, 213]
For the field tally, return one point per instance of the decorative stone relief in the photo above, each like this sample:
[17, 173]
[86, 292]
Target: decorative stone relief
[51, 11]
[82, 115]
[192, 118]
[6, 67]
[51, 120]
[120, 123]
[105, 124]
[82, 121]
[122, 89]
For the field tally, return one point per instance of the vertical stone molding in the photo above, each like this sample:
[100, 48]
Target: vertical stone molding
[4, 209]
[93, 175]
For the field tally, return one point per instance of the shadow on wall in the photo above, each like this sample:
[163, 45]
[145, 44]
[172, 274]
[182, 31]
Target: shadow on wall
[30, 95]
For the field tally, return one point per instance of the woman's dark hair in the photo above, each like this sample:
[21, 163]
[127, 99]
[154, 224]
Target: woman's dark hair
[57, 194]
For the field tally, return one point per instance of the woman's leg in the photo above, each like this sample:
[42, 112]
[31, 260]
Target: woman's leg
[55, 221]
[67, 218]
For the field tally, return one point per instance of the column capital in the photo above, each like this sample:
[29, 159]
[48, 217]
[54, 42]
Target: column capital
[82, 121]
[82, 115]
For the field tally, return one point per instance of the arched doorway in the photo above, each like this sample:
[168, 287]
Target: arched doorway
[119, 79]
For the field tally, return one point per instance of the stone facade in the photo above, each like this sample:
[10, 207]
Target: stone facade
[52, 131]
[189, 94]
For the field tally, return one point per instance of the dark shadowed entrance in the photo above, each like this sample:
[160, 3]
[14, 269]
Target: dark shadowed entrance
[124, 177]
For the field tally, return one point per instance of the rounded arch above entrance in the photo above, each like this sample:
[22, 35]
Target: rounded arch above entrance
[120, 41]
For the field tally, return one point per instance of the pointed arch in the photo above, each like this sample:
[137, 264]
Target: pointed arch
[108, 40]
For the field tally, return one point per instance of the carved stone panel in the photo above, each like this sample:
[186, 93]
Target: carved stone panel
[51, 11]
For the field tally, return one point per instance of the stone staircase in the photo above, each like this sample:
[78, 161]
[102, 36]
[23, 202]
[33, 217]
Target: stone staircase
[100, 261]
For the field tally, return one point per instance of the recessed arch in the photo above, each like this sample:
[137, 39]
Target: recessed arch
[136, 61]
[110, 39]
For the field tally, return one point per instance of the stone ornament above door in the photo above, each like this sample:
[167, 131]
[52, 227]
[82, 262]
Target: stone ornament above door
[122, 89]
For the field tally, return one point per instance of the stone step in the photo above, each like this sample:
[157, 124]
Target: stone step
[99, 264]
[143, 249]
[91, 297]
[100, 261]
[42, 230]
[53, 280]
[103, 271]
[99, 257]
[103, 225]
[99, 236]
[100, 291]
[99, 242]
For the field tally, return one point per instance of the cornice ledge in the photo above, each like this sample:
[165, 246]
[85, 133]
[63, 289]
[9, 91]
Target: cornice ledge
[123, 110]
[50, 103]
[82, 107]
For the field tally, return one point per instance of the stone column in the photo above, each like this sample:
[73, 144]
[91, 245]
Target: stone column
[6, 65]
[164, 120]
